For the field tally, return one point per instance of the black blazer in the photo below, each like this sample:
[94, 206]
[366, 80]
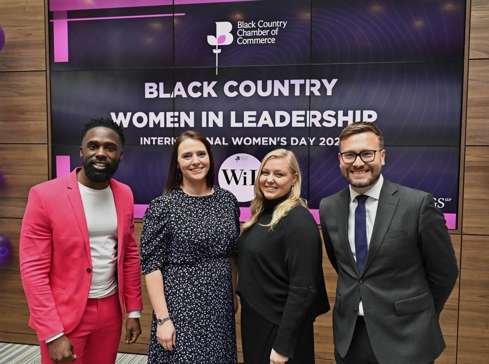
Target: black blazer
[409, 274]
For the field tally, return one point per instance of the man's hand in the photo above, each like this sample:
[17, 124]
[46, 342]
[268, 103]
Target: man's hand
[276, 358]
[133, 330]
[61, 350]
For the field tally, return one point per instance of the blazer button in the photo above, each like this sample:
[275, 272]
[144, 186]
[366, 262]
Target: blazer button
[361, 281]
[89, 270]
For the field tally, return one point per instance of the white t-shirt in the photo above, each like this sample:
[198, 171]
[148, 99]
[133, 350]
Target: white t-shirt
[101, 217]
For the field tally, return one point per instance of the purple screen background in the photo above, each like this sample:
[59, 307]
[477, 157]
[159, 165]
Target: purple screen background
[403, 59]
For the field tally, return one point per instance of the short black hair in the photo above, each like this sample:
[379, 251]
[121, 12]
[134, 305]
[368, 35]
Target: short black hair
[103, 122]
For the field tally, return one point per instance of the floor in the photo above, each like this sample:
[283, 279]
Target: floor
[29, 354]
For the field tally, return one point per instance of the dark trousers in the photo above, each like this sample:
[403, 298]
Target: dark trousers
[258, 336]
[360, 351]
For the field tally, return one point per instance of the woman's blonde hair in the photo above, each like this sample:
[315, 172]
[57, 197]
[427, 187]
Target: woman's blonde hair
[294, 198]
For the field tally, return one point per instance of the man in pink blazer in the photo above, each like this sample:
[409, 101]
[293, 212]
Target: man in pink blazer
[79, 261]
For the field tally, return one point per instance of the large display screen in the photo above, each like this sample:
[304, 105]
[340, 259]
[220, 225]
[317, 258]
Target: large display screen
[253, 76]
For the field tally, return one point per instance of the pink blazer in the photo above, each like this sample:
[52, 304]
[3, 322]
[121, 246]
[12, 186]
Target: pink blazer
[55, 260]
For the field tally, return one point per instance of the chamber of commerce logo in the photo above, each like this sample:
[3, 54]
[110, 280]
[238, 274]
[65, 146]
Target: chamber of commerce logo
[237, 174]
[223, 37]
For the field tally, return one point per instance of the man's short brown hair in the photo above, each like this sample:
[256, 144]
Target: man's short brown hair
[362, 127]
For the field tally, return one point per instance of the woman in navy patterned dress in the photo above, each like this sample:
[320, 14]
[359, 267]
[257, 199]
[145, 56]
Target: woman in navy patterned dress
[188, 247]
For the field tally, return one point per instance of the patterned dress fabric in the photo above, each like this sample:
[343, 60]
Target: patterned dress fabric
[191, 239]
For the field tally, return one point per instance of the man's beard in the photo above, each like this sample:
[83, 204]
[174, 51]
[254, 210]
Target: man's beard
[100, 176]
[370, 182]
[367, 183]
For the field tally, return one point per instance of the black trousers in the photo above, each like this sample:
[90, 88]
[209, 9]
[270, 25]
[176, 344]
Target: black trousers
[360, 351]
[258, 336]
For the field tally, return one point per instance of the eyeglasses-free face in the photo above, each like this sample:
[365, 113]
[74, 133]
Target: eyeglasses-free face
[361, 173]
[193, 161]
[276, 178]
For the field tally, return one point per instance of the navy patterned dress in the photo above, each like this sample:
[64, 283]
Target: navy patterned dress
[191, 239]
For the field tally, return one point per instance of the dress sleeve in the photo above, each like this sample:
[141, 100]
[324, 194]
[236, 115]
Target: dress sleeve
[304, 265]
[153, 236]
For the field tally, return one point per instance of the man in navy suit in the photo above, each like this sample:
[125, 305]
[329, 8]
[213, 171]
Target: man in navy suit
[389, 297]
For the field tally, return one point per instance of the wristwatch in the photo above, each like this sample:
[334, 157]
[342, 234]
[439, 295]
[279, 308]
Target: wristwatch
[162, 320]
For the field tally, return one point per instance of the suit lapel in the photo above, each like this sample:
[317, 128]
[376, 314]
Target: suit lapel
[385, 213]
[73, 193]
[342, 208]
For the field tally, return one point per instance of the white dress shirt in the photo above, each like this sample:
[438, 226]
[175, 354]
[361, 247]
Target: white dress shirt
[371, 205]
